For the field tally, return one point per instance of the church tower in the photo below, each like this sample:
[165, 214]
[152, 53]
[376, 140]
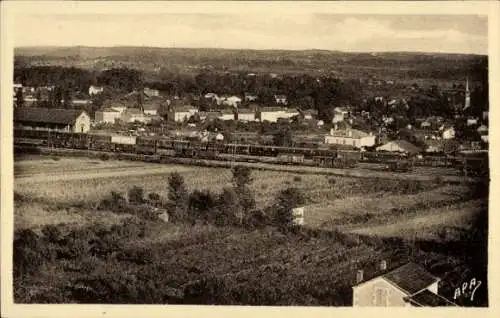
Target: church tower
[467, 94]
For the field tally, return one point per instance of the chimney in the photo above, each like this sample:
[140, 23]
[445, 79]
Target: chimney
[359, 276]
[383, 265]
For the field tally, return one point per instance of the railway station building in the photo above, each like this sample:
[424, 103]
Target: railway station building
[67, 120]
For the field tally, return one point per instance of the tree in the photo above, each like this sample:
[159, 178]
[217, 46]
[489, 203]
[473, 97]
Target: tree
[19, 98]
[66, 96]
[286, 200]
[136, 195]
[242, 179]
[201, 204]
[241, 176]
[229, 210]
[177, 196]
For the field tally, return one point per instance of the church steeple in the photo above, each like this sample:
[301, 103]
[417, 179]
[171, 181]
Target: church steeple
[467, 94]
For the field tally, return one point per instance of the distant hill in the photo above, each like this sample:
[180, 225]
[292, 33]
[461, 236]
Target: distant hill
[153, 60]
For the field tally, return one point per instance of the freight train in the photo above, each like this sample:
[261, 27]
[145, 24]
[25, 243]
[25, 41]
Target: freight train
[162, 147]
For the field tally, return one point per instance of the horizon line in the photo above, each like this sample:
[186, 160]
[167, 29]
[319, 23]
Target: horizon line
[244, 49]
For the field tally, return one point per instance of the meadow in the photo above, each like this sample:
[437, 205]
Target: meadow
[69, 251]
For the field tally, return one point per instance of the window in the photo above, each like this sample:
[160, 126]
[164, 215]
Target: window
[381, 297]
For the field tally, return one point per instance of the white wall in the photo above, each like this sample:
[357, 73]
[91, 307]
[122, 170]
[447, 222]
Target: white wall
[82, 123]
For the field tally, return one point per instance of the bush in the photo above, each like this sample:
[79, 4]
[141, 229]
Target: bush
[154, 197]
[297, 178]
[136, 195]
[104, 157]
[114, 202]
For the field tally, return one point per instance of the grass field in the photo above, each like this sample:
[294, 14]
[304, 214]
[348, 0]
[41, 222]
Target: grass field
[350, 223]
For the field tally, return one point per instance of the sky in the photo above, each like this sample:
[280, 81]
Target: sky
[268, 30]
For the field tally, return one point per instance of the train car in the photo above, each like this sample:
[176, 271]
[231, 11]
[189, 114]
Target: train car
[124, 144]
[100, 143]
[333, 162]
[66, 140]
[146, 145]
[399, 166]
[31, 137]
[290, 158]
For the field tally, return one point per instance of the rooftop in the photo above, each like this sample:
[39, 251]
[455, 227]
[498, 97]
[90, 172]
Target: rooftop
[405, 145]
[427, 298]
[47, 115]
[272, 109]
[355, 133]
[411, 278]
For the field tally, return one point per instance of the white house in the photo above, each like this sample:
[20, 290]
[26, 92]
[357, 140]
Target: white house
[94, 90]
[107, 115]
[339, 114]
[406, 286]
[483, 129]
[151, 92]
[245, 114]
[298, 216]
[250, 97]
[272, 114]
[227, 114]
[310, 114]
[151, 108]
[387, 119]
[280, 99]
[350, 137]
[183, 113]
[212, 96]
[131, 115]
[402, 146]
[448, 132]
[233, 101]
[471, 121]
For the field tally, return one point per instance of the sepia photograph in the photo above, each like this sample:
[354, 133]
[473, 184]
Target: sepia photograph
[313, 158]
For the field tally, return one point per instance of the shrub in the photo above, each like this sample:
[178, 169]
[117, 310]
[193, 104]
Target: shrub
[297, 178]
[114, 202]
[154, 197]
[136, 195]
[104, 157]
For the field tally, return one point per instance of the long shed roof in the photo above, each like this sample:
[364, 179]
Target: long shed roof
[46, 115]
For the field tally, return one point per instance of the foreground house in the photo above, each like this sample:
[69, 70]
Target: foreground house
[405, 286]
[67, 120]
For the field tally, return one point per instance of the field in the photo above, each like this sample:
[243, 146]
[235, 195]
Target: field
[100, 256]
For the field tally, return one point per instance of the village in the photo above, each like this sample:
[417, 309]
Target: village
[246, 120]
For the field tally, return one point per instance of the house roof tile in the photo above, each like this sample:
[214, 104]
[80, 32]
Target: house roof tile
[411, 278]
[427, 298]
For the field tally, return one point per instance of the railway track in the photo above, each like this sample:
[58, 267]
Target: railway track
[360, 172]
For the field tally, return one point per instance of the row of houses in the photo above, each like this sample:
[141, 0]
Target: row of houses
[183, 113]
[235, 101]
